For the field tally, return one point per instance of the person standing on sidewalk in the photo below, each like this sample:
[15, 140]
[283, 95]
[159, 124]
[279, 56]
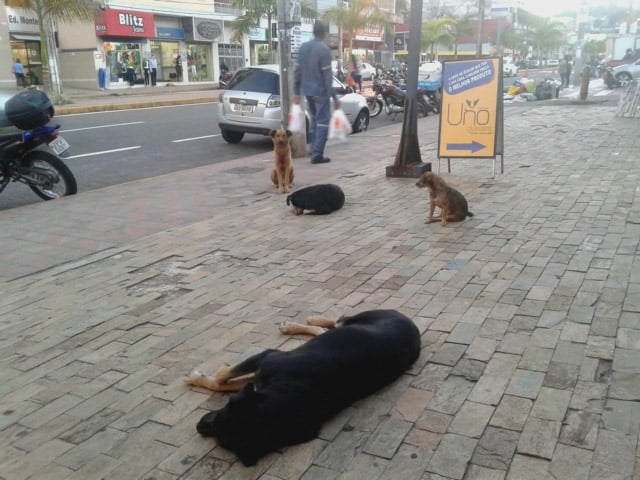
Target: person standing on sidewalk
[313, 80]
[145, 69]
[18, 71]
[178, 68]
[153, 65]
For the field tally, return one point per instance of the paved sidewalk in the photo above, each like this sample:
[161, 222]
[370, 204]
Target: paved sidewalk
[530, 312]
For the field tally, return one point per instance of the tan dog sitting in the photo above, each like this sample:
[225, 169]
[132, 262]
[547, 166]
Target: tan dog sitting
[452, 204]
[282, 174]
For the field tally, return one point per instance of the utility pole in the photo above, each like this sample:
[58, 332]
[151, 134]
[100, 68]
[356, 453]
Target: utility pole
[480, 28]
[289, 21]
[408, 162]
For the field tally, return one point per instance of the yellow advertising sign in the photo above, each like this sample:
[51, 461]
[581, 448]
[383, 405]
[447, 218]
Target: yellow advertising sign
[471, 114]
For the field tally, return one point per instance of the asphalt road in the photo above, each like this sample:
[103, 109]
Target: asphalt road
[109, 148]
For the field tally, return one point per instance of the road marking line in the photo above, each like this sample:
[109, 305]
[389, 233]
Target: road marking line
[194, 138]
[100, 126]
[102, 153]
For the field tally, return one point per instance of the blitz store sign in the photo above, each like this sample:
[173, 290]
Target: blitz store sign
[124, 23]
[22, 20]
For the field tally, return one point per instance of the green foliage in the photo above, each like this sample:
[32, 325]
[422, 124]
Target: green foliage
[438, 32]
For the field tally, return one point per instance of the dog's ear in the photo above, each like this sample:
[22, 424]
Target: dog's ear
[289, 133]
[272, 133]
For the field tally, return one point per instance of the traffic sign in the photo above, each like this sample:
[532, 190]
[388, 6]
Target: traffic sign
[471, 116]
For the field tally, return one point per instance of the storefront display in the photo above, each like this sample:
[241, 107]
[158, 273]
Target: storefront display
[124, 62]
[199, 63]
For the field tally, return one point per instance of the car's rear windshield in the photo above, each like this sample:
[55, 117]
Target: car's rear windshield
[256, 80]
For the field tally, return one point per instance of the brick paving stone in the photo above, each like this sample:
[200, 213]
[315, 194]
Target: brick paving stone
[628, 338]
[409, 462]
[528, 468]
[387, 438]
[544, 338]
[411, 404]
[481, 473]
[580, 429]
[423, 439]
[452, 455]
[539, 437]
[481, 349]
[551, 404]
[568, 352]
[471, 419]
[434, 421]
[451, 395]
[525, 383]
[536, 358]
[362, 466]
[570, 463]
[515, 343]
[448, 354]
[561, 375]
[495, 448]
[469, 369]
[616, 451]
[574, 332]
[463, 333]
[511, 413]
[489, 389]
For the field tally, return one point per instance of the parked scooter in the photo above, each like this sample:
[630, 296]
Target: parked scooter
[22, 158]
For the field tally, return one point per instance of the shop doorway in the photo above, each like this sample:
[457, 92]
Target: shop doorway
[232, 55]
[28, 52]
[166, 54]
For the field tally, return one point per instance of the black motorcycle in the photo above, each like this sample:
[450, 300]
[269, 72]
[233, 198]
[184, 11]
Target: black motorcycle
[609, 80]
[390, 98]
[23, 157]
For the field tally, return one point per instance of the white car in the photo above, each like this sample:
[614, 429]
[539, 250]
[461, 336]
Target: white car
[251, 104]
[509, 69]
[367, 71]
[553, 62]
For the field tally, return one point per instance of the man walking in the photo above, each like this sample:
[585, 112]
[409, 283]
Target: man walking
[312, 78]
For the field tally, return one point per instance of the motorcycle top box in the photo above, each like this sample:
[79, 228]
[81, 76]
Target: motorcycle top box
[27, 110]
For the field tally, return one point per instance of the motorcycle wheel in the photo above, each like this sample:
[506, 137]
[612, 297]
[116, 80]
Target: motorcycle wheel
[422, 110]
[45, 161]
[375, 108]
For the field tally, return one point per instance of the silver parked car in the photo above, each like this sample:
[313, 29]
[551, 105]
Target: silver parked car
[251, 103]
[626, 73]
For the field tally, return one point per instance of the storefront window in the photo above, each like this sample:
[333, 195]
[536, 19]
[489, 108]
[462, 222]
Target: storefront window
[166, 53]
[199, 63]
[232, 55]
[124, 61]
[28, 52]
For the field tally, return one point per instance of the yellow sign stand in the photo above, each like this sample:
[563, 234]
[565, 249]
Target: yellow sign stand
[472, 115]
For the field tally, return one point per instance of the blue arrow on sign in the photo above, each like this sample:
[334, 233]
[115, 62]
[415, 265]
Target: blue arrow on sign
[473, 146]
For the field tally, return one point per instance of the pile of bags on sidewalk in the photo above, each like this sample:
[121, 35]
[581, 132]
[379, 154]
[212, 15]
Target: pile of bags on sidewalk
[526, 90]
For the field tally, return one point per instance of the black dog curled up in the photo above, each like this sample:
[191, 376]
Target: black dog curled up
[317, 199]
[285, 397]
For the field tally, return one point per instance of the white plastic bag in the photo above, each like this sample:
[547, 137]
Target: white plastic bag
[297, 119]
[339, 127]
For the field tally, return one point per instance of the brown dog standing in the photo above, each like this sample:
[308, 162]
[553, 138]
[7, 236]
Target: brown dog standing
[452, 204]
[282, 175]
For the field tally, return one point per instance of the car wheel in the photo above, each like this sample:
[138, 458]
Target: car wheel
[232, 137]
[361, 123]
[623, 77]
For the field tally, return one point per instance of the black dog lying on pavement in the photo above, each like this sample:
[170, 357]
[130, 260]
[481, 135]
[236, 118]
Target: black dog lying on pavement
[317, 199]
[285, 397]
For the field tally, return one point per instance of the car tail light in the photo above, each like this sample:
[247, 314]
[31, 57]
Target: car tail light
[274, 101]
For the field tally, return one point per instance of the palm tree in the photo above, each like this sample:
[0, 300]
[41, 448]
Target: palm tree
[359, 15]
[50, 12]
[255, 10]
[436, 33]
[463, 27]
[547, 34]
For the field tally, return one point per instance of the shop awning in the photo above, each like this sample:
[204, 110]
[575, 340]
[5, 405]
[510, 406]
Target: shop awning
[25, 36]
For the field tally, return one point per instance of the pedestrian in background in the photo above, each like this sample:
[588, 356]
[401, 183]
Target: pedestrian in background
[564, 69]
[145, 70]
[153, 66]
[18, 71]
[178, 68]
[313, 80]
[355, 72]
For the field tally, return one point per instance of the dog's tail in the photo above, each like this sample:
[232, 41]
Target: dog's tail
[469, 214]
[288, 200]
